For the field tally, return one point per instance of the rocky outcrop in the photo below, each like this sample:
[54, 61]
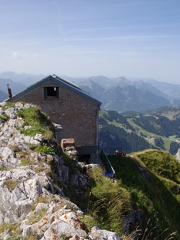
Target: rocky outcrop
[32, 201]
[178, 155]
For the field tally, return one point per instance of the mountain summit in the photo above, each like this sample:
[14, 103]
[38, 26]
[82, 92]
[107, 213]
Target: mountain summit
[33, 177]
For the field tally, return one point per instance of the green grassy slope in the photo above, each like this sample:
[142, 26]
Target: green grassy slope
[148, 182]
[152, 178]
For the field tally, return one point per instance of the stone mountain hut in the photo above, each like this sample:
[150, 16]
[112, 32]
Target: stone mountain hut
[68, 105]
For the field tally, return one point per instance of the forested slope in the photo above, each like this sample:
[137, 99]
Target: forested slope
[133, 131]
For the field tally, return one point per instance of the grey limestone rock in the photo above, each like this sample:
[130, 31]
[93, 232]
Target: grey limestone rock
[98, 234]
[29, 199]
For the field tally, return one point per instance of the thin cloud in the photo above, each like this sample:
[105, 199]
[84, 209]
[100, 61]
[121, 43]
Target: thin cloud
[18, 55]
[117, 38]
[22, 55]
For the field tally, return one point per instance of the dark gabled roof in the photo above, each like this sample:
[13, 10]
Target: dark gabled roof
[67, 84]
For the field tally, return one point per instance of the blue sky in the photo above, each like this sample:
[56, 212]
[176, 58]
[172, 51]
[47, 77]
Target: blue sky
[81, 38]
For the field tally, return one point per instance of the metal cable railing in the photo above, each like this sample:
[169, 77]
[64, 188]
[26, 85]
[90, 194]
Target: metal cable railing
[109, 170]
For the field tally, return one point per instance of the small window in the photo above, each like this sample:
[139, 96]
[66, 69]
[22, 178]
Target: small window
[51, 92]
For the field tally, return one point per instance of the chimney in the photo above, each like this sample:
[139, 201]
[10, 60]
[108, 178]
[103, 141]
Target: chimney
[9, 90]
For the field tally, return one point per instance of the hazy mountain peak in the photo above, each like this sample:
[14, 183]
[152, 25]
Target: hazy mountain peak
[3, 95]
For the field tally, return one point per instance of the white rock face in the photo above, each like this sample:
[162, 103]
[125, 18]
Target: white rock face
[28, 198]
[178, 154]
[96, 233]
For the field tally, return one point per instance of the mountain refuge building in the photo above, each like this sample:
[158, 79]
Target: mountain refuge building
[69, 106]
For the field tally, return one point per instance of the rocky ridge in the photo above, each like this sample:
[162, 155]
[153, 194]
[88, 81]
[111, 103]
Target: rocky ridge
[32, 206]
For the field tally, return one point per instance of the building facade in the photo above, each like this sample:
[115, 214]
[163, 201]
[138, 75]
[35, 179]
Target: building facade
[68, 105]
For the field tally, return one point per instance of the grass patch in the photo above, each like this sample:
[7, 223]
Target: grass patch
[4, 117]
[88, 221]
[3, 168]
[52, 198]
[13, 230]
[25, 162]
[32, 236]
[104, 203]
[45, 149]
[42, 199]
[4, 226]
[43, 169]
[39, 123]
[11, 184]
[8, 105]
[149, 192]
[161, 163]
[108, 201]
[37, 216]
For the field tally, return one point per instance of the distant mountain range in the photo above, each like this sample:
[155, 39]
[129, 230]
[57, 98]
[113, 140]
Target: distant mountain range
[24, 78]
[122, 95]
[118, 94]
[3, 96]
[15, 86]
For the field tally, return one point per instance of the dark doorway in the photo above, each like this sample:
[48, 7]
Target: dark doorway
[86, 158]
